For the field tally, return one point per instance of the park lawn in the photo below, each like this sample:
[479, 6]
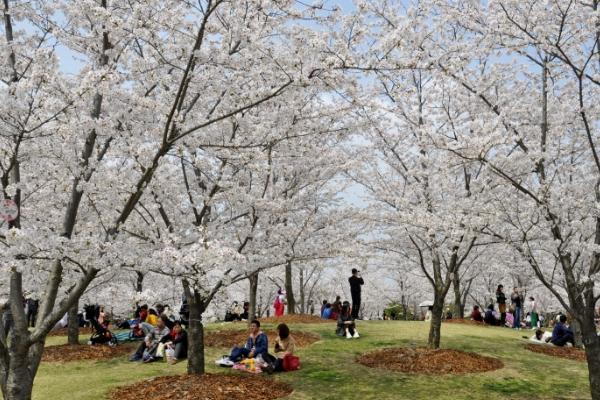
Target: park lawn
[329, 371]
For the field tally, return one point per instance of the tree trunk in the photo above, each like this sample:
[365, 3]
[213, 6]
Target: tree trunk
[435, 329]
[139, 281]
[459, 311]
[577, 332]
[302, 295]
[291, 301]
[592, 353]
[195, 337]
[73, 324]
[19, 380]
[253, 279]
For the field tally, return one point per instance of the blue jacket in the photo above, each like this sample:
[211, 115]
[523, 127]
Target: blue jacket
[560, 330]
[261, 344]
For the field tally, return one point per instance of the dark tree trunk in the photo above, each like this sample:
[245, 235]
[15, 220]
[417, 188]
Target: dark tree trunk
[459, 310]
[73, 325]
[253, 279]
[435, 329]
[139, 281]
[592, 353]
[195, 337]
[19, 379]
[291, 301]
[302, 295]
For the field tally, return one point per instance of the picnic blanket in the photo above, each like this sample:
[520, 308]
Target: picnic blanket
[246, 368]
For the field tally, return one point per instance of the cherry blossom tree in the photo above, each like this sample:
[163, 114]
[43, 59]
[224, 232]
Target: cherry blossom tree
[154, 77]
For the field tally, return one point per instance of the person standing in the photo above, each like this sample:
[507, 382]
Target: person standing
[517, 304]
[279, 303]
[32, 310]
[356, 281]
[501, 300]
[533, 312]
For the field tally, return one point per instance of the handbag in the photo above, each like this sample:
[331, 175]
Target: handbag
[160, 350]
[291, 363]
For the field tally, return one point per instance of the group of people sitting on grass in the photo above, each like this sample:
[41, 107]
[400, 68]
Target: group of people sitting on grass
[491, 317]
[342, 312]
[162, 341]
[562, 335]
[256, 350]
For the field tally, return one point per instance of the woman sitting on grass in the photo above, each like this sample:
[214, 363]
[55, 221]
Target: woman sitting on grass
[177, 341]
[285, 346]
[345, 324]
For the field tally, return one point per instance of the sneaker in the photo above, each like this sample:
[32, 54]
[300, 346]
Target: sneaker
[356, 335]
[148, 359]
[224, 362]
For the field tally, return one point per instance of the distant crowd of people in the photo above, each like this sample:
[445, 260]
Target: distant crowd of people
[518, 315]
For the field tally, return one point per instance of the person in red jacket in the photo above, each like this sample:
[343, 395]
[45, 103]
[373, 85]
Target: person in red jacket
[476, 314]
[279, 303]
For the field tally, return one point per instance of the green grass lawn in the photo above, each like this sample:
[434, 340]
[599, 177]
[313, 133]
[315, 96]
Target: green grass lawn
[329, 371]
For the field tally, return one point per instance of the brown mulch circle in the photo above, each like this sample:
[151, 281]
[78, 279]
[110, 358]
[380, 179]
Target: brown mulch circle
[65, 332]
[229, 338]
[422, 360]
[205, 387]
[464, 321]
[572, 353]
[69, 352]
[295, 319]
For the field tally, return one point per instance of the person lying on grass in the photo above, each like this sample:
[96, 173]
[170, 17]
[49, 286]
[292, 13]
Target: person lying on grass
[257, 344]
[176, 343]
[345, 324]
[540, 337]
[147, 349]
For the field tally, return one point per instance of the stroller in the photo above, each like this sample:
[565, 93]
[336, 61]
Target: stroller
[100, 332]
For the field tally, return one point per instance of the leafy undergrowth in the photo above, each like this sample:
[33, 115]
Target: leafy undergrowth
[572, 353]
[295, 319]
[230, 338]
[205, 387]
[68, 352]
[422, 360]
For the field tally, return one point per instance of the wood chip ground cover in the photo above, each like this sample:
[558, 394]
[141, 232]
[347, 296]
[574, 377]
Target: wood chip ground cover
[422, 360]
[229, 338]
[203, 387]
[572, 353]
[64, 332]
[68, 352]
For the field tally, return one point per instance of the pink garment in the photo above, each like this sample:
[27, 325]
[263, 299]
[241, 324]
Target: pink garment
[510, 319]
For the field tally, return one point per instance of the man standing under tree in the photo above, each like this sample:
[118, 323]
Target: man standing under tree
[355, 282]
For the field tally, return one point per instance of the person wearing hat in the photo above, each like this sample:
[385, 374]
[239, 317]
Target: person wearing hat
[356, 281]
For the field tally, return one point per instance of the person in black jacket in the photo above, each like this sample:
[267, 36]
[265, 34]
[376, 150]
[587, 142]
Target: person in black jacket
[355, 286]
[501, 300]
[178, 341]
